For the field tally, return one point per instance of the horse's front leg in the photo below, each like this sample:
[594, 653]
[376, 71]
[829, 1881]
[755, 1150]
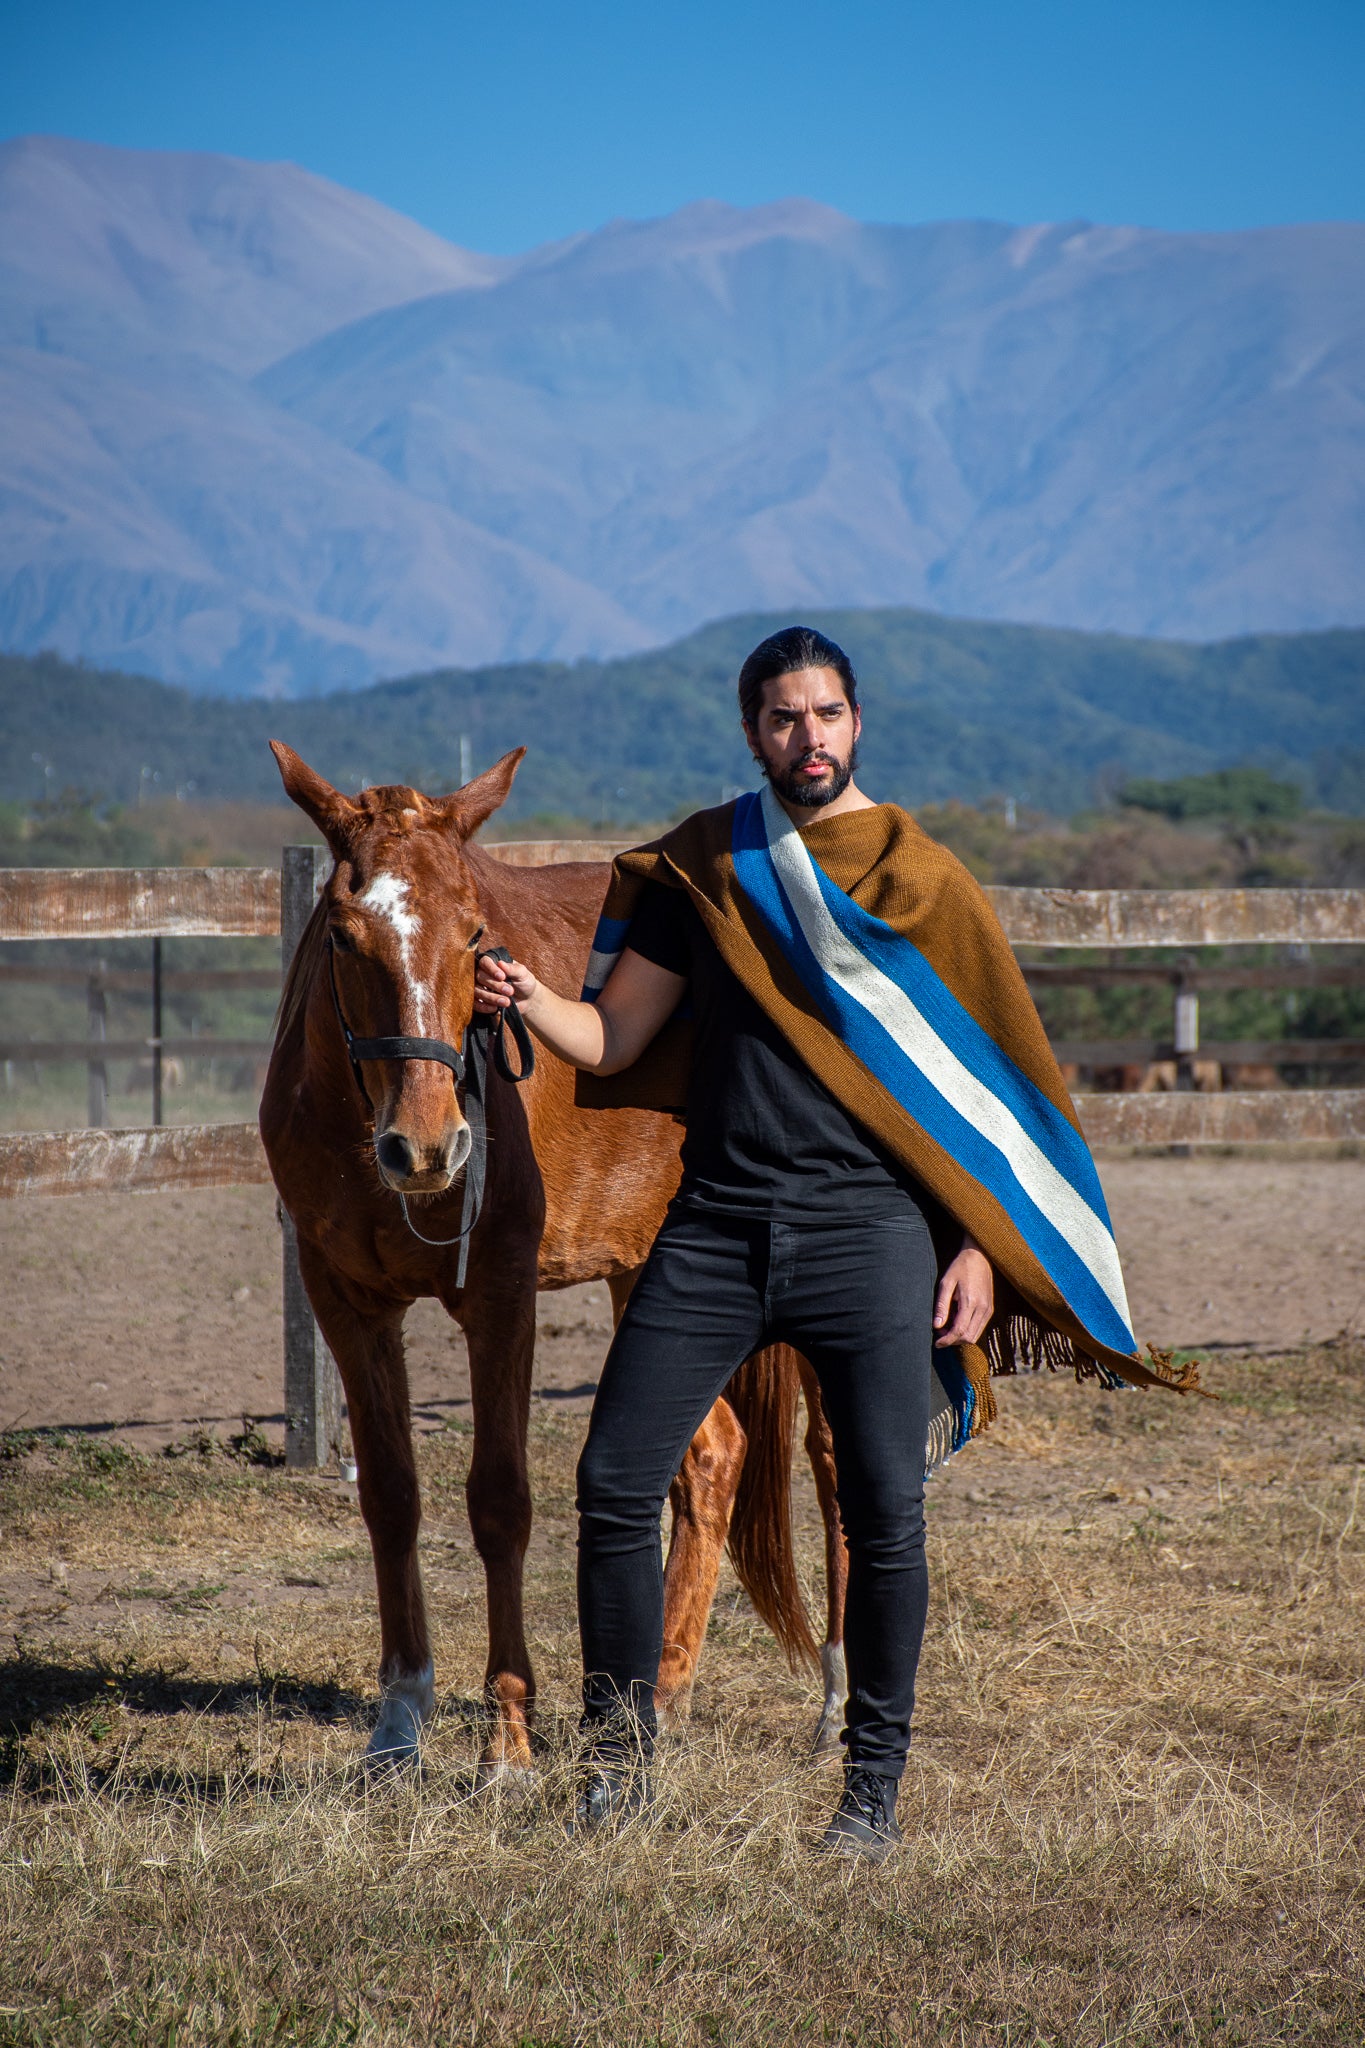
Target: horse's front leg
[366, 1340]
[498, 1313]
[833, 1670]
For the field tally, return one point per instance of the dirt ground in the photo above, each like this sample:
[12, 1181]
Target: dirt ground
[1133, 1806]
[1134, 1801]
[144, 1316]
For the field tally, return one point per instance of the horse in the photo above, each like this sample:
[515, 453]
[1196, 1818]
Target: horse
[370, 1148]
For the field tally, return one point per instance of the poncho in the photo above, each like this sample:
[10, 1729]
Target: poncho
[879, 957]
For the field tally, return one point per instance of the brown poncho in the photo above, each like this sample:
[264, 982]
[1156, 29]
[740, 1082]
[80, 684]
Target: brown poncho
[882, 962]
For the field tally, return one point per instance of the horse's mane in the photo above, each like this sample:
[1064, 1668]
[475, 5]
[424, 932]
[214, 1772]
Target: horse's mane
[299, 977]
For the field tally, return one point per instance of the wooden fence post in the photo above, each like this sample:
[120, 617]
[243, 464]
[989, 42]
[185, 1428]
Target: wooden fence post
[312, 1386]
[96, 1073]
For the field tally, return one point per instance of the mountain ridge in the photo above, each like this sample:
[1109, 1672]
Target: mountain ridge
[262, 435]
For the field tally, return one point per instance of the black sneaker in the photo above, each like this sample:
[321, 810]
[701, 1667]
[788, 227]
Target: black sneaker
[864, 1822]
[609, 1795]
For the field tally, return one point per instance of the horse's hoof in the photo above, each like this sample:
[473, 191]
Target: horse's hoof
[834, 1671]
[825, 1741]
[514, 1781]
[390, 1765]
[406, 1701]
[673, 1699]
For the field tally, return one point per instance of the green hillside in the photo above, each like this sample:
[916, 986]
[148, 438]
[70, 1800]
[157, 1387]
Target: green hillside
[953, 708]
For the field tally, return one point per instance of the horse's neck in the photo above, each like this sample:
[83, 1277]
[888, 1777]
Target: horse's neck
[544, 916]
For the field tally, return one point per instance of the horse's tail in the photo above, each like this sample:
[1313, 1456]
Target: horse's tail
[764, 1394]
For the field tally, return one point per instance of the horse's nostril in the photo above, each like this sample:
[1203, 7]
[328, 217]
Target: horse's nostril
[395, 1155]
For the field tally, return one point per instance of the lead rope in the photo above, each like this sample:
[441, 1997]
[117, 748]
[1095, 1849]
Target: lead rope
[476, 1110]
[476, 1160]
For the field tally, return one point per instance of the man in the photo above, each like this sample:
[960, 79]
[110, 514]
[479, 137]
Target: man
[874, 1122]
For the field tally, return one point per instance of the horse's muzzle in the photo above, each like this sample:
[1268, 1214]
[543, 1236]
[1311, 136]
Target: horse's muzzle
[413, 1169]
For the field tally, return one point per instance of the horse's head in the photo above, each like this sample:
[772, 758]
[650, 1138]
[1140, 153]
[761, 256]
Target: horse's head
[403, 919]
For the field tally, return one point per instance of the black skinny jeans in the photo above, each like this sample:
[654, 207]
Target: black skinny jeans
[857, 1299]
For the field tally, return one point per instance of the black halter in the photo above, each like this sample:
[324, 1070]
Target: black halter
[469, 1067]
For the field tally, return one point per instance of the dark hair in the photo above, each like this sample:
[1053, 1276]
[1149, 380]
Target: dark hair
[783, 654]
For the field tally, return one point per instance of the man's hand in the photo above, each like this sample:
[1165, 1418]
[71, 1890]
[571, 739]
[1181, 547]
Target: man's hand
[601, 1037]
[500, 982]
[966, 1294]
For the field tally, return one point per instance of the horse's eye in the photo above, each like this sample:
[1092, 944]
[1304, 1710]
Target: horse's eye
[340, 939]
[475, 940]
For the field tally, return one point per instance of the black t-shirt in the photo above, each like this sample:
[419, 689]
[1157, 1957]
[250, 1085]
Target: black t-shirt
[763, 1135]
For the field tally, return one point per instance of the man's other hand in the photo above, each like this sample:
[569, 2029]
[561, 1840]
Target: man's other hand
[965, 1299]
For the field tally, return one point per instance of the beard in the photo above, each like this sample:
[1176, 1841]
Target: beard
[794, 788]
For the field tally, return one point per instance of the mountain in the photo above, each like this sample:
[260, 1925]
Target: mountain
[123, 255]
[951, 708]
[260, 435]
[153, 507]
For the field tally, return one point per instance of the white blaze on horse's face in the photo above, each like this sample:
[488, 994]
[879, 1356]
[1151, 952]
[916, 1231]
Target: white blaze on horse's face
[387, 897]
[421, 1139]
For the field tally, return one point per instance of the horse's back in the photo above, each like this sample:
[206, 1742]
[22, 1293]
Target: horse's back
[552, 911]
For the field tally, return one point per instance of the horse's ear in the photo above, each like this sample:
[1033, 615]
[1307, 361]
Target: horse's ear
[467, 809]
[332, 813]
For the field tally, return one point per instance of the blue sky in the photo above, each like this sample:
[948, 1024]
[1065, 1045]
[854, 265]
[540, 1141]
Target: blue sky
[506, 126]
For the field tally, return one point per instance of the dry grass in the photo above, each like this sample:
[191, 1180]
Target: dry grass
[1134, 1807]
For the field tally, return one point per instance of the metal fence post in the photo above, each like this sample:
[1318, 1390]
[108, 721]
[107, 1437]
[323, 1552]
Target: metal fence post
[1186, 1030]
[312, 1387]
[96, 1073]
[158, 1070]
[1186, 1038]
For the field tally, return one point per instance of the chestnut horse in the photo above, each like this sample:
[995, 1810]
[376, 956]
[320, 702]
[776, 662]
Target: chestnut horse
[368, 1153]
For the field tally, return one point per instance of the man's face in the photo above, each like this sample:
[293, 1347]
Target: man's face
[806, 736]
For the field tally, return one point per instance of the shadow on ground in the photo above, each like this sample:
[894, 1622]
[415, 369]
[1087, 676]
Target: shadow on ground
[35, 1690]
[38, 1694]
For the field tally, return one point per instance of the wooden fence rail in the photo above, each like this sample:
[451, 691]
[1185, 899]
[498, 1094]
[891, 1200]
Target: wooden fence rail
[1278, 1116]
[131, 1162]
[139, 980]
[225, 1155]
[1181, 917]
[55, 1051]
[139, 903]
[262, 902]
[128, 903]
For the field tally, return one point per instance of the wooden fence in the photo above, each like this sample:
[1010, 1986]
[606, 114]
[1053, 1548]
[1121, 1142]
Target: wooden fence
[157, 903]
[1142, 917]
